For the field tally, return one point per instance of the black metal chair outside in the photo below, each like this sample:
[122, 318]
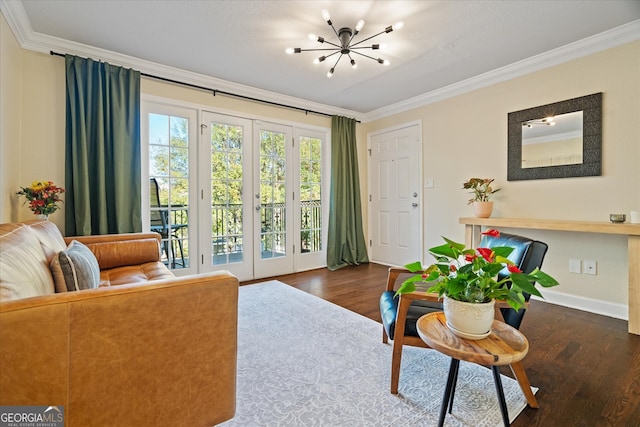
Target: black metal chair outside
[159, 223]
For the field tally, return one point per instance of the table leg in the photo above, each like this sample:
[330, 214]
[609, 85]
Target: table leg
[500, 390]
[453, 370]
[523, 381]
[634, 284]
[453, 389]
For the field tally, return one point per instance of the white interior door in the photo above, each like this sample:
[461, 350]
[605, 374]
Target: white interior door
[273, 200]
[395, 200]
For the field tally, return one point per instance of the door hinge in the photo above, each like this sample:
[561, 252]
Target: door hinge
[369, 150]
[294, 249]
[201, 194]
[370, 243]
[369, 197]
[202, 256]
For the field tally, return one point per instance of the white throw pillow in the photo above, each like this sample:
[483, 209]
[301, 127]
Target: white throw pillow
[24, 271]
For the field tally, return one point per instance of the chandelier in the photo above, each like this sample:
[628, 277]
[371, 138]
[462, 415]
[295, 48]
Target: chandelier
[346, 46]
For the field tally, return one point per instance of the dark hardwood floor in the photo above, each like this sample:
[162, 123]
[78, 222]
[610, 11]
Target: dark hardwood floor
[586, 366]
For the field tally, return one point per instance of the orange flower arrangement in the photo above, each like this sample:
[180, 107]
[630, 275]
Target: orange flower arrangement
[43, 197]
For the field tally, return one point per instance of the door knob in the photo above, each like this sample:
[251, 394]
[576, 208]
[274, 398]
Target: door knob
[257, 208]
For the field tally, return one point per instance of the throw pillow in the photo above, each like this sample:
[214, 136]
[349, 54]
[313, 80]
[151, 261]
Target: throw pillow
[75, 268]
[24, 270]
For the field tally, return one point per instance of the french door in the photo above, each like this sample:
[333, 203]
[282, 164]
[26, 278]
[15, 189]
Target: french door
[273, 200]
[239, 194]
[170, 192]
[225, 161]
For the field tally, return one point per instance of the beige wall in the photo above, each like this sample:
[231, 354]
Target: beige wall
[10, 121]
[466, 136]
[33, 124]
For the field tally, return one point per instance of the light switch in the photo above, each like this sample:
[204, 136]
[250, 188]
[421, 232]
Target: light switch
[575, 266]
[428, 182]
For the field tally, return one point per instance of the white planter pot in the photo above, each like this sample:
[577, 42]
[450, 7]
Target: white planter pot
[469, 320]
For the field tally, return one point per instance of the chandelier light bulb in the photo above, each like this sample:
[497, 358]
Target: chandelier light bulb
[312, 37]
[359, 25]
[330, 73]
[353, 64]
[319, 60]
[397, 25]
[326, 16]
[289, 51]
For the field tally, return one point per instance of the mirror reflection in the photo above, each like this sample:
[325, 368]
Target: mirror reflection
[552, 140]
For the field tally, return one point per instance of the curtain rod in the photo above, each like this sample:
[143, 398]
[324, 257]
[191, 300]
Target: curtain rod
[222, 92]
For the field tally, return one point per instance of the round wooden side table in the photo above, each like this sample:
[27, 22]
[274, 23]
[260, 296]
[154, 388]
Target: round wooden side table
[504, 346]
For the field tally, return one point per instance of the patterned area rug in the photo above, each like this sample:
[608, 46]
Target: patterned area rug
[303, 361]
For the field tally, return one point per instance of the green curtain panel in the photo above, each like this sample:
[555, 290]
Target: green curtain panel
[102, 148]
[345, 244]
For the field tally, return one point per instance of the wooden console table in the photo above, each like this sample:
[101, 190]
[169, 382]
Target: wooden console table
[473, 228]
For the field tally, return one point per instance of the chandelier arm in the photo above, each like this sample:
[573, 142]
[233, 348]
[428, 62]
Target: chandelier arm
[333, 44]
[362, 54]
[312, 50]
[331, 54]
[334, 31]
[339, 58]
[368, 38]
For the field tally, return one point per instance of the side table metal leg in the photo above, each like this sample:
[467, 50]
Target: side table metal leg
[500, 390]
[453, 371]
[453, 389]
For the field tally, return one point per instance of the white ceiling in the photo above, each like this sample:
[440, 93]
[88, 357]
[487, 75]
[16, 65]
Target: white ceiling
[443, 43]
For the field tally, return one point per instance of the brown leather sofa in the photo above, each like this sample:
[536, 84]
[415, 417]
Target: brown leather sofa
[145, 348]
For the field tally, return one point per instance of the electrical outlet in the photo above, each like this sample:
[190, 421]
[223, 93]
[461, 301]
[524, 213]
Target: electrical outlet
[590, 267]
[575, 266]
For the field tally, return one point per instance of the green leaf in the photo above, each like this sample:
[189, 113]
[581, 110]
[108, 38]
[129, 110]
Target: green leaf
[443, 250]
[525, 283]
[414, 267]
[543, 278]
[503, 251]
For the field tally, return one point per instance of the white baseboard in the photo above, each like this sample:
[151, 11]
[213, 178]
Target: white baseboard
[618, 311]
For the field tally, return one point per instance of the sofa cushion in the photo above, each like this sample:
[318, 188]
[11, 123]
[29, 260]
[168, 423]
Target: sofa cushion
[24, 271]
[135, 274]
[75, 268]
[49, 236]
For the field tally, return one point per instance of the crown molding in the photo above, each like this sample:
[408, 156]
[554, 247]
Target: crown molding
[590, 45]
[28, 39]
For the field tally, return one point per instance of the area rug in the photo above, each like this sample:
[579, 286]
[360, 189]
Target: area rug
[303, 361]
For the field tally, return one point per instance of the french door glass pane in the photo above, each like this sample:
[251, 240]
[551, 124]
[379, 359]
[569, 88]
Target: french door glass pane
[310, 196]
[272, 194]
[226, 193]
[169, 186]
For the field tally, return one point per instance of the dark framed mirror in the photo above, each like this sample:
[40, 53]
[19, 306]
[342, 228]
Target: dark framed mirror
[558, 140]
